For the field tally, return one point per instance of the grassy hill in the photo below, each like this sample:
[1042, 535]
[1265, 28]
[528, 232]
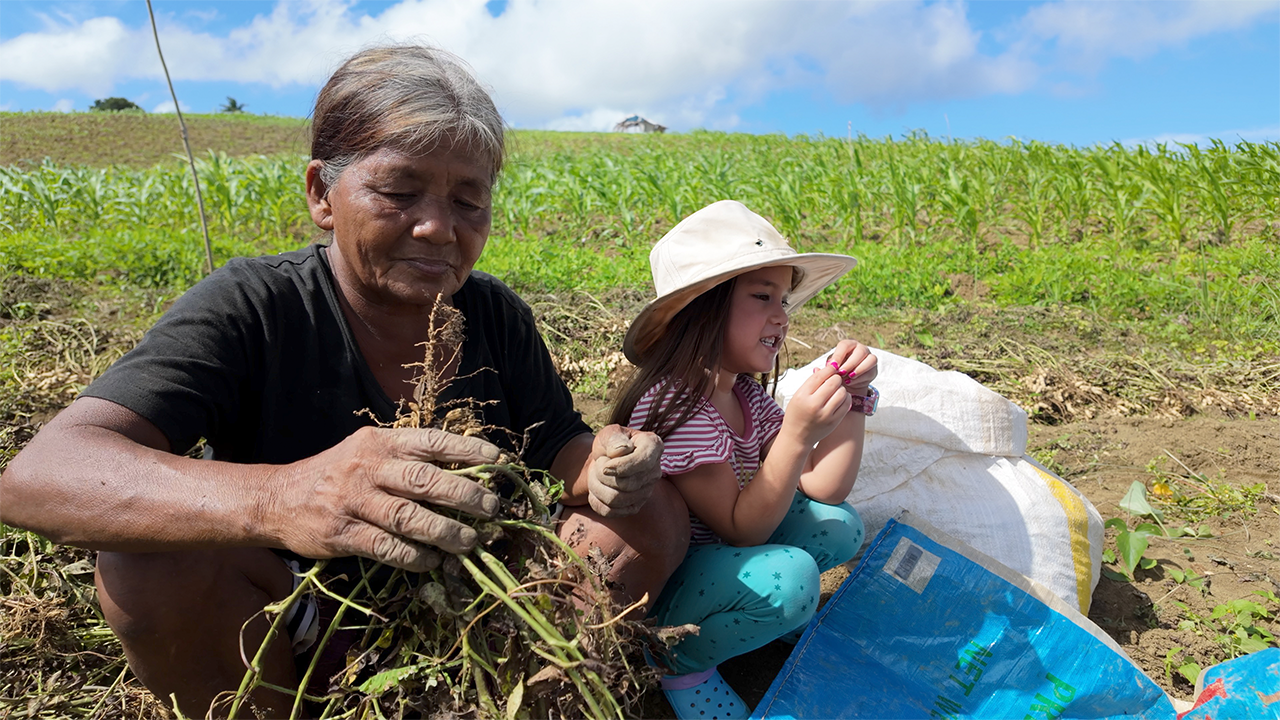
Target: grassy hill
[139, 140]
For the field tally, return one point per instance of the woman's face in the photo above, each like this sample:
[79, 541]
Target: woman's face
[405, 228]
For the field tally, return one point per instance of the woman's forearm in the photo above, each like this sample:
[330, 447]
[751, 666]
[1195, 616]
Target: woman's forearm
[94, 487]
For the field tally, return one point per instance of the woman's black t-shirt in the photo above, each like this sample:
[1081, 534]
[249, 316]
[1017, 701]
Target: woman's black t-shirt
[259, 361]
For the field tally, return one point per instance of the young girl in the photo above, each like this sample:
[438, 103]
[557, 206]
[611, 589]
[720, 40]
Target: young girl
[765, 490]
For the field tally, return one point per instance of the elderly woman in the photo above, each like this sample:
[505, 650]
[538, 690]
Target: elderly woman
[270, 360]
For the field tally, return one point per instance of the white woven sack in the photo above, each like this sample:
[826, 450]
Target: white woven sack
[949, 450]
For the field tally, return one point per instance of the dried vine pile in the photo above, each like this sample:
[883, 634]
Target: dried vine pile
[520, 627]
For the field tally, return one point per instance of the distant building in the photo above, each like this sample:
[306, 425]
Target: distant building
[635, 123]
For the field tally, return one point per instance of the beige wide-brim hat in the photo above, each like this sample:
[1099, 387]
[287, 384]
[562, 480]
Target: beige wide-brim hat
[716, 243]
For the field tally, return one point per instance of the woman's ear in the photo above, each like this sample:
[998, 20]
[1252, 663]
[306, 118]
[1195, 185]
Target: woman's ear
[318, 197]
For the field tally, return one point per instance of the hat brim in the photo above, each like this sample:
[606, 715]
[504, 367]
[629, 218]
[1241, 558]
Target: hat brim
[819, 270]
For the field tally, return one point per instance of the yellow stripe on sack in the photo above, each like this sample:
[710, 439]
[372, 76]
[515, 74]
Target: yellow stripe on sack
[1078, 526]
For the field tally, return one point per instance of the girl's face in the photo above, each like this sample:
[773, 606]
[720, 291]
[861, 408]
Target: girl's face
[757, 320]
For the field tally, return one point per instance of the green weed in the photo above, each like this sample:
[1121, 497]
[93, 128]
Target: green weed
[1188, 669]
[1195, 496]
[1132, 543]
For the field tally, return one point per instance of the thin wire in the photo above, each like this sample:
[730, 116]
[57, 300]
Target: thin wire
[204, 225]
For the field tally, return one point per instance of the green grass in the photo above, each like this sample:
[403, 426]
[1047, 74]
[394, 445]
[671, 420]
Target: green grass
[1154, 237]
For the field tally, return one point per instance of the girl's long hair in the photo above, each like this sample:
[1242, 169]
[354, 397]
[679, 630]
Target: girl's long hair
[681, 362]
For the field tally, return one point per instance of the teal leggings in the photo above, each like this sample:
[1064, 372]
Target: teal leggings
[743, 598]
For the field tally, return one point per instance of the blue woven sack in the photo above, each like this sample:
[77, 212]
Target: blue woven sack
[926, 627]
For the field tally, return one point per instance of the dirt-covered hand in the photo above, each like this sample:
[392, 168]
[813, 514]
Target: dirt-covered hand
[817, 406]
[364, 497]
[623, 470]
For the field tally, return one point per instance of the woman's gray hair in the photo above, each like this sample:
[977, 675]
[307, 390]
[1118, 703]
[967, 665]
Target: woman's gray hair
[408, 97]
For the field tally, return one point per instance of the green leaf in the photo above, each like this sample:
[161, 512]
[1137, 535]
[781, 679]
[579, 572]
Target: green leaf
[1150, 529]
[1108, 556]
[925, 338]
[1253, 645]
[517, 696]
[1132, 545]
[1147, 563]
[387, 679]
[1135, 502]
[1190, 671]
[1177, 575]
[1117, 523]
[1113, 575]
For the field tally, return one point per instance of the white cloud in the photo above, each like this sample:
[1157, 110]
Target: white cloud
[581, 64]
[546, 58]
[167, 107]
[1229, 137]
[1088, 33]
[64, 106]
[90, 56]
[597, 120]
[892, 53]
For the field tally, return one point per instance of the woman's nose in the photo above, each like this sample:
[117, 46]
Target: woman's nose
[433, 221]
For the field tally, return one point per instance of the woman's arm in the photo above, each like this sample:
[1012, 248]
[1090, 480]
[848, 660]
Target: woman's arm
[100, 476]
[750, 515]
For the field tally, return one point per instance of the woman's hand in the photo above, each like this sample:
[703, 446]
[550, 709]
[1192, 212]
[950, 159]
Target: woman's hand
[817, 406]
[362, 497]
[854, 362]
[623, 470]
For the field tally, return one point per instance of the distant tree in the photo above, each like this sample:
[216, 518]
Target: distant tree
[232, 106]
[114, 103]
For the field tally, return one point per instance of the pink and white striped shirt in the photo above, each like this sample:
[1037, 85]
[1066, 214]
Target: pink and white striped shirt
[707, 438]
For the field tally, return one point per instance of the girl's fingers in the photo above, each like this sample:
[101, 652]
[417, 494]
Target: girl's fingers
[850, 362]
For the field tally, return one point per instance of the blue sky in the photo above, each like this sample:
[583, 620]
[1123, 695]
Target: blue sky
[1066, 71]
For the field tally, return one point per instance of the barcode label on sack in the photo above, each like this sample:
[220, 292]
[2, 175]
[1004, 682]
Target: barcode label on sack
[912, 565]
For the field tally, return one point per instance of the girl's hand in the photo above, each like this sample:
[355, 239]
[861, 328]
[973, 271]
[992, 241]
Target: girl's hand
[817, 407]
[854, 363]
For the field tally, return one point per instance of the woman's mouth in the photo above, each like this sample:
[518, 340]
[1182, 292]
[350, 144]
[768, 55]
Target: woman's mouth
[429, 266]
